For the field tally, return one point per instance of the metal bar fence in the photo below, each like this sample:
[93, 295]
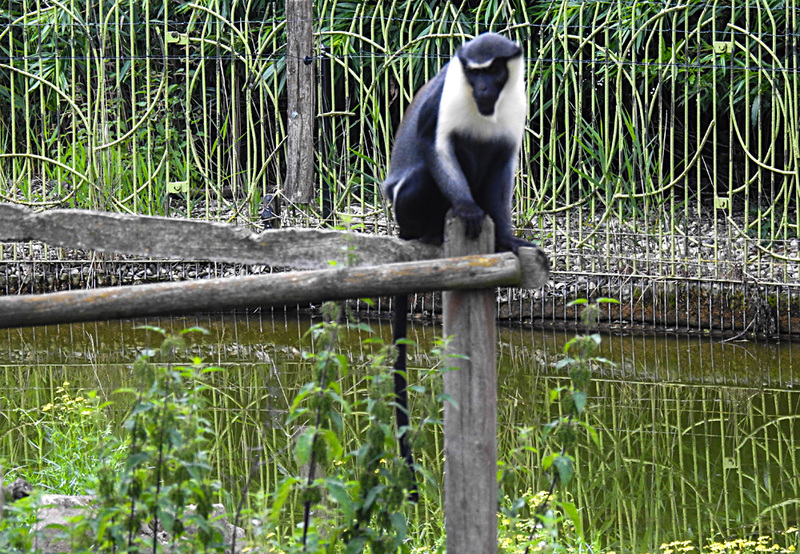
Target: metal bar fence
[661, 162]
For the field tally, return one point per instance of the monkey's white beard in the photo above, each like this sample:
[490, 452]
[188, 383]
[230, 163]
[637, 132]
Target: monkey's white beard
[458, 113]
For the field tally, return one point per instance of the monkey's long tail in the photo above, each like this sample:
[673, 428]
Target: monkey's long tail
[400, 384]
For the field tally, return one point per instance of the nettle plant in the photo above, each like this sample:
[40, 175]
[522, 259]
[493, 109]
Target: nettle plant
[354, 498]
[164, 483]
[151, 482]
[555, 443]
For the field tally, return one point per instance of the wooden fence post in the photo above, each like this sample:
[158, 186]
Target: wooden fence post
[300, 90]
[470, 428]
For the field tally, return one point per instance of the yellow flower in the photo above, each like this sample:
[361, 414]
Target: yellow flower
[47, 407]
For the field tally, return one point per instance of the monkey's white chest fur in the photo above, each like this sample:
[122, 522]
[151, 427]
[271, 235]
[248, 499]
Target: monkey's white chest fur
[458, 114]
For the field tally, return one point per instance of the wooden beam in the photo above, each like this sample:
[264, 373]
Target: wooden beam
[300, 91]
[277, 289]
[187, 239]
[190, 239]
[470, 425]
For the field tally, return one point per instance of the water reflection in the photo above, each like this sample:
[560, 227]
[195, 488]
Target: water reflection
[698, 438]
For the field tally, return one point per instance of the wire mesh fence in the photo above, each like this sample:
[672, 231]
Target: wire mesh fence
[661, 162]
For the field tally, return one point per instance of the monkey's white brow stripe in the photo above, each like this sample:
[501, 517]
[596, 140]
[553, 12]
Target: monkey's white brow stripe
[476, 65]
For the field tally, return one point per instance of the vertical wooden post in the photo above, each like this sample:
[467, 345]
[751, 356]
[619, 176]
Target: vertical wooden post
[300, 90]
[470, 428]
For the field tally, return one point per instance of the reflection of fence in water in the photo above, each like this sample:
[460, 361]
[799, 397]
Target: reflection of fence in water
[708, 459]
[698, 439]
[694, 433]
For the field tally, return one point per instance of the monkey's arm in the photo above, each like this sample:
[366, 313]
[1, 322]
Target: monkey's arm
[443, 165]
[495, 197]
[440, 157]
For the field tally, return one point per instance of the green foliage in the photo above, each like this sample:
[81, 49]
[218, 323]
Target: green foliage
[156, 478]
[74, 436]
[556, 523]
[166, 468]
[16, 521]
[353, 500]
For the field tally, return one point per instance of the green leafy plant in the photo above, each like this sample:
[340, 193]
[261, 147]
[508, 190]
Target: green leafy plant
[353, 500]
[74, 436]
[552, 511]
[16, 521]
[164, 482]
[156, 478]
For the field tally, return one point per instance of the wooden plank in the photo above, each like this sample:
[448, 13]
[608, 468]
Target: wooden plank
[300, 92]
[470, 426]
[162, 237]
[278, 289]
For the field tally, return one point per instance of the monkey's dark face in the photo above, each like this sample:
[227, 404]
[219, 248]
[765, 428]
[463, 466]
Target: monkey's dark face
[487, 82]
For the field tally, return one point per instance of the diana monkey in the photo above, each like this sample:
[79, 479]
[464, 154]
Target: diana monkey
[457, 148]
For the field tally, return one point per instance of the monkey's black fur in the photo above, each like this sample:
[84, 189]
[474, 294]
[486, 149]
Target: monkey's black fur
[457, 148]
[458, 144]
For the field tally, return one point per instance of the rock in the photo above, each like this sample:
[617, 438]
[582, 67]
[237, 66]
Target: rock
[57, 511]
[16, 490]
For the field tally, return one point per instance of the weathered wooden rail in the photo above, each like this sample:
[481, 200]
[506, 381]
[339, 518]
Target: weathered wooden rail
[190, 239]
[277, 289]
[366, 266]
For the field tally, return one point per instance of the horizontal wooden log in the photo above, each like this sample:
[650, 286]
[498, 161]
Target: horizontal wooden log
[535, 268]
[278, 289]
[189, 239]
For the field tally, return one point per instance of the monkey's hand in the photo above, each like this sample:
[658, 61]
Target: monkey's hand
[512, 244]
[472, 216]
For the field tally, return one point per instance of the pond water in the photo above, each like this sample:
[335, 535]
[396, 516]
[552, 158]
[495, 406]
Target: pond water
[698, 438]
